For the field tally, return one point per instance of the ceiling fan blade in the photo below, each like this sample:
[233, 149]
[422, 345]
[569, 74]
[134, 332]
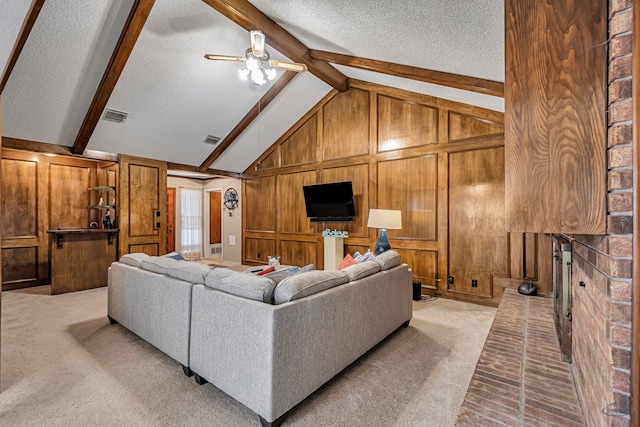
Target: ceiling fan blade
[257, 42]
[214, 57]
[290, 66]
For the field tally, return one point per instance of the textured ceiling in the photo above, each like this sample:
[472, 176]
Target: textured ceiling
[175, 98]
[13, 13]
[457, 36]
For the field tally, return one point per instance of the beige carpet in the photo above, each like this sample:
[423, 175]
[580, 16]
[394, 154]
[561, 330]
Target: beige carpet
[63, 364]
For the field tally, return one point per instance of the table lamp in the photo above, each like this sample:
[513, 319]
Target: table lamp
[384, 219]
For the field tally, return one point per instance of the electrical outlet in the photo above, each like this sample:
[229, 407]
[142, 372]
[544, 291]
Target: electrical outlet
[474, 283]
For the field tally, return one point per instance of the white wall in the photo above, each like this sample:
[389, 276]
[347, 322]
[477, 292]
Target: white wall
[231, 225]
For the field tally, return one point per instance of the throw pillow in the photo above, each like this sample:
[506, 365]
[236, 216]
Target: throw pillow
[387, 259]
[266, 271]
[347, 261]
[241, 284]
[308, 283]
[360, 270]
[174, 255]
[367, 257]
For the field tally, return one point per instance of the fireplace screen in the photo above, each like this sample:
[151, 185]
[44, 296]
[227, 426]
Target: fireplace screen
[562, 293]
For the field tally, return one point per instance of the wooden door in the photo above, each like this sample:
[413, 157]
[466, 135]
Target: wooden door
[143, 203]
[171, 219]
[215, 217]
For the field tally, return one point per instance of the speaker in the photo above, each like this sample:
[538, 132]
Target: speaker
[417, 291]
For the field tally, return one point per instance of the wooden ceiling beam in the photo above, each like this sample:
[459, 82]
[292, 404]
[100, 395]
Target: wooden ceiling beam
[27, 25]
[486, 87]
[262, 103]
[132, 29]
[211, 173]
[60, 150]
[250, 18]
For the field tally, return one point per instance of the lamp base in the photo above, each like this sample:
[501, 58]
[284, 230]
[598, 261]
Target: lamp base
[383, 242]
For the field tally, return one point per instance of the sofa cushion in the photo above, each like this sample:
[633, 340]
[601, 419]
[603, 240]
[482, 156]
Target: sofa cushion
[388, 259]
[133, 259]
[308, 283]
[159, 264]
[241, 284]
[363, 269]
[189, 271]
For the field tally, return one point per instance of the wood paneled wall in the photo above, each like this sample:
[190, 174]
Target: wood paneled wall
[556, 121]
[440, 162]
[40, 193]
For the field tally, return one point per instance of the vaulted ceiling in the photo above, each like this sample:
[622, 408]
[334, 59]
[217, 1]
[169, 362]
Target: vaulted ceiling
[66, 61]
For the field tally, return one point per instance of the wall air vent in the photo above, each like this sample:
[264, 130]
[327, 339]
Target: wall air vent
[213, 140]
[115, 116]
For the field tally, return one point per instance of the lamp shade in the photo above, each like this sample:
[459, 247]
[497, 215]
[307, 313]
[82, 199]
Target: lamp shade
[385, 218]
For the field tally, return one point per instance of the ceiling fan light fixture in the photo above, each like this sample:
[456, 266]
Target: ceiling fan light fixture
[270, 72]
[258, 63]
[244, 74]
[257, 77]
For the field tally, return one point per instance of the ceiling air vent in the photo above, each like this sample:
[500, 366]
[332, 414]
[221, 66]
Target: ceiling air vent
[115, 116]
[213, 140]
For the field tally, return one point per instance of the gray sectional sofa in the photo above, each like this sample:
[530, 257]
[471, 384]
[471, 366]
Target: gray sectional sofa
[268, 343]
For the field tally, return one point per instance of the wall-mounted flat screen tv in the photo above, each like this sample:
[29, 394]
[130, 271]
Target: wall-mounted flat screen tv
[329, 202]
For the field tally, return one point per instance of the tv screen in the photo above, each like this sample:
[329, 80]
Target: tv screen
[329, 202]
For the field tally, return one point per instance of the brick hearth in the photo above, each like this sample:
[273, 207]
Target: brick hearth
[520, 378]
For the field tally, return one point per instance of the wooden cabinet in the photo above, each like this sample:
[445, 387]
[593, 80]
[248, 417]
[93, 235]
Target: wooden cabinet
[80, 258]
[555, 124]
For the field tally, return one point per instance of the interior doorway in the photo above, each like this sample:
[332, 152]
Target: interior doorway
[171, 219]
[215, 224]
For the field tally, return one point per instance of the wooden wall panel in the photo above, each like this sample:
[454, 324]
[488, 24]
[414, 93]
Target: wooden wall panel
[359, 177]
[260, 192]
[403, 124]
[20, 197]
[298, 253]
[258, 250]
[151, 249]
[300, 147]
[423, 264]
[555, 125]
[478, 241]
[411, 185]
[293, 212]
[269, 162]
[530, 259]
[345, 127]
[69, 196]
[451, 195]
[19, 264]
[462, 126]
[353, 248]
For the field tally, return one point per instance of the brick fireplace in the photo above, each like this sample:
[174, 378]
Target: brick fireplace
[602, 307]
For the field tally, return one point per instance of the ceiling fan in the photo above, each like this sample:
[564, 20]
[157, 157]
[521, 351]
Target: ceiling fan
[259, 64]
